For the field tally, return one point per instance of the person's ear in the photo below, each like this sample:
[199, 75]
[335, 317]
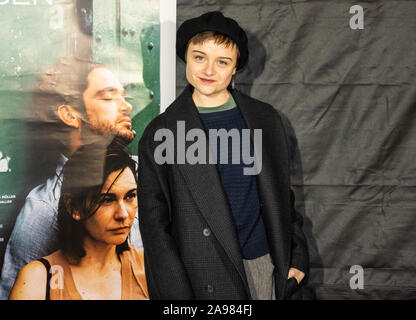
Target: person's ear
[76, 216]
[74, 213]
[69, 116]
[235, 70]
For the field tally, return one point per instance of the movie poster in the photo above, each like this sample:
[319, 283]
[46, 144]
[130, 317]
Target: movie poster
[48, 49]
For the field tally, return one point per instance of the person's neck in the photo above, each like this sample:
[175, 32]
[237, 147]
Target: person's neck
[99, 255]
[75, 141]
[210, 101]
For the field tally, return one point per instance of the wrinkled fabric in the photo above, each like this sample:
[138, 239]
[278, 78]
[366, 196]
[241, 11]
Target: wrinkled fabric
[350, 96]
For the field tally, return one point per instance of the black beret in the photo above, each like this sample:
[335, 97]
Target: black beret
[212, 21]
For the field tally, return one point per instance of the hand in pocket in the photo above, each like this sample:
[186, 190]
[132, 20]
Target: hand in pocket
[291, 287]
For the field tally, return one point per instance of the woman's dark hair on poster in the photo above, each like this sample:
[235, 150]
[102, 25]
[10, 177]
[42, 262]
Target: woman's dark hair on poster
[84, 176]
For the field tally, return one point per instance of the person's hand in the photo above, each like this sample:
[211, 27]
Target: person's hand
[297, 274]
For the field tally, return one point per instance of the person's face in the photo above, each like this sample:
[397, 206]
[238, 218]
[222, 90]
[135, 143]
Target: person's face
[107, 110]
[210, 67]
[113, 220]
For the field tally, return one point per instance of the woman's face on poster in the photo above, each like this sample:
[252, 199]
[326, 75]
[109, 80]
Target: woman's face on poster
[113, 220]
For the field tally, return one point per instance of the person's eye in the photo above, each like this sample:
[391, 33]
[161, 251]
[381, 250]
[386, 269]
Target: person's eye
[107, 200]
[131, 195]
[222, 62]
[199, 58]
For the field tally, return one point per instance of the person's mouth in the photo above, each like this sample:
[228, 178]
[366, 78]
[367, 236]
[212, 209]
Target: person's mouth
[120, 229]
[126, 121]
[207, 81]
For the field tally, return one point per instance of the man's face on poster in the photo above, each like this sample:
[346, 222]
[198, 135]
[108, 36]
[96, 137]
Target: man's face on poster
[107, 110]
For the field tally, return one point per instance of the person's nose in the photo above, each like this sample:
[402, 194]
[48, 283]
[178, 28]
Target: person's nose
[125, 106]
[121, 211]
[209, 69]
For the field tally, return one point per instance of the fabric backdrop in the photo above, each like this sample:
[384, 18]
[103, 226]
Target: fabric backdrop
[350, 96]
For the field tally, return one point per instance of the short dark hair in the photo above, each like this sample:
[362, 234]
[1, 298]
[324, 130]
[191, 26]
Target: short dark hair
[47, 136]
[62, 84]
[85, 174]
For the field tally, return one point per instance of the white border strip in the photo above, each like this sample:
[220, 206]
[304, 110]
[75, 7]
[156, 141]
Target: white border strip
[167, 9]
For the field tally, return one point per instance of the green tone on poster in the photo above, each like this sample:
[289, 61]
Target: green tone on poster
[123, 34]
[126, 37]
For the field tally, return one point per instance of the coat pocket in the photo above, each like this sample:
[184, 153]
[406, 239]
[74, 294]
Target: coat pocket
[291, 287]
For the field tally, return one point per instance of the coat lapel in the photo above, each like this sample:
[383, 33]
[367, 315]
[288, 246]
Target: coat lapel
[272, 183]
[201, 180]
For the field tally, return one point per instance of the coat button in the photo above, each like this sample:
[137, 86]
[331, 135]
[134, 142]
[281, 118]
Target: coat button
[210, 288]
[206, 232]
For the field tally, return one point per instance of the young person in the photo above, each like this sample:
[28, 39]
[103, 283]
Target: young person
[212, 230]
[96, 212]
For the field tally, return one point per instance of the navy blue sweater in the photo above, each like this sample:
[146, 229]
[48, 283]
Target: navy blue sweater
[240, 190]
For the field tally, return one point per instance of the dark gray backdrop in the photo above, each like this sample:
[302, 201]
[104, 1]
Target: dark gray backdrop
[350, 96]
